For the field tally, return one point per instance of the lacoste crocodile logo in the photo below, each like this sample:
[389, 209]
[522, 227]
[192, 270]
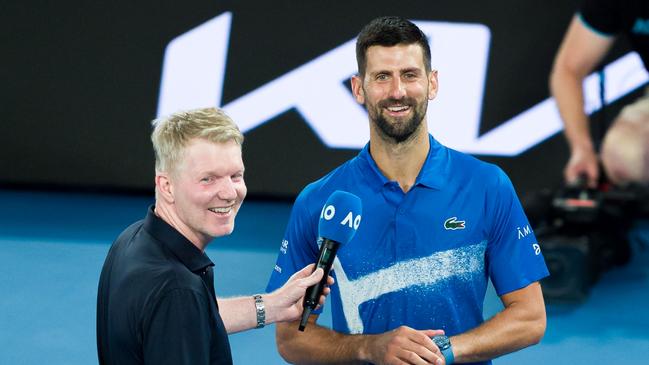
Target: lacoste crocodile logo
[453, 224]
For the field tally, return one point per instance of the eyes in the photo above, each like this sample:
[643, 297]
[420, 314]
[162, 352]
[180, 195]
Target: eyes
[410, 75]
[407, 76]
[237, 177]
[382, 77]
[210, 179]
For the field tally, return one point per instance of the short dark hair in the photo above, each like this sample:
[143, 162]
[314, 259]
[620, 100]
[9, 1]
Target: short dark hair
[389, 31]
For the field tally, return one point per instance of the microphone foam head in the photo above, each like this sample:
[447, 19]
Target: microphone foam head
[340, 217]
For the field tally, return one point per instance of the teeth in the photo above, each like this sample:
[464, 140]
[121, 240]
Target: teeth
[221, 210]
[397, 108]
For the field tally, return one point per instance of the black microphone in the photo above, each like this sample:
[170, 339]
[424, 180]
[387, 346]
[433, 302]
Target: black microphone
[339, 220]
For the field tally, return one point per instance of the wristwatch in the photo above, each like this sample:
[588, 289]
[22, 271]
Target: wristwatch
[261, 311]
[445, 347]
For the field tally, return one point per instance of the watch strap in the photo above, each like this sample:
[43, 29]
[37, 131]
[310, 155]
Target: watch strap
[445, 347]
[448, 355]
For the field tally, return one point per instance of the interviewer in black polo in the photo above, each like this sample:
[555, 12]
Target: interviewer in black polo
[156, 302]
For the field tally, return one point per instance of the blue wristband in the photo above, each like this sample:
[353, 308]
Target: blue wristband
[445, 346]
[448, 355]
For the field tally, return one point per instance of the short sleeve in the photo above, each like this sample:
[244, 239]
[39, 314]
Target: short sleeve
[601, 16]
[514, 257]
[299, 246]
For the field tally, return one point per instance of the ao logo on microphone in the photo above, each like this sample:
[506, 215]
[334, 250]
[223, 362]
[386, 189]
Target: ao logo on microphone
[329, 211]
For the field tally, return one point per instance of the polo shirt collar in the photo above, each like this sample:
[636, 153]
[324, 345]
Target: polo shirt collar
[433, 174]
[190, 255]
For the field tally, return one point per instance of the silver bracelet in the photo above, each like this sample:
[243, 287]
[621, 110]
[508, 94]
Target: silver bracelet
[261, 311]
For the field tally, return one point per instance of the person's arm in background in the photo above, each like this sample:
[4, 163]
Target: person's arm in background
[284, 304]
[321, 345]
[580, 52]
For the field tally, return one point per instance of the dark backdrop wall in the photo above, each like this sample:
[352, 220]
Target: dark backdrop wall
[81, 82]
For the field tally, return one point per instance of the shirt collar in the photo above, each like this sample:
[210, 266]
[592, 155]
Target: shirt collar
[433, 173]
[190, 255]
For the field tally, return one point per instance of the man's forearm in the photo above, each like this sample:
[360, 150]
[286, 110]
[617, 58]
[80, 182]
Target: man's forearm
[521, 324]
[319, 345]
[566, 88]
[238, 314]
[580, 52]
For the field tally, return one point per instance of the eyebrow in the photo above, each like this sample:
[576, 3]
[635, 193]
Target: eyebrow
[401, 71]
[218, 173]
[411, 69]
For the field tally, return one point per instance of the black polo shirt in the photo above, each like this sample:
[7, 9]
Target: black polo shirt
[156, 301]
[629, 17]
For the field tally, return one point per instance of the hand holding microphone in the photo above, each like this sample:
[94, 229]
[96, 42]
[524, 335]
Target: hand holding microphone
[285, 303]
[339, 220]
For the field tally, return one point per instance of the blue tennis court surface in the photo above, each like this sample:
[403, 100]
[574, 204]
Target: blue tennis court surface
[52, 246]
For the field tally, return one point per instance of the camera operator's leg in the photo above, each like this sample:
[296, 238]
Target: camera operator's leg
[625, 151]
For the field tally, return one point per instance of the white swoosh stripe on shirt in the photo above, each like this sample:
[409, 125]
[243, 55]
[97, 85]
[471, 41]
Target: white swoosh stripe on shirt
[462, 263]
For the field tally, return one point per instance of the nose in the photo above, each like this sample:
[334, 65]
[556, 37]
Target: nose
[397, 88]
[227, 190]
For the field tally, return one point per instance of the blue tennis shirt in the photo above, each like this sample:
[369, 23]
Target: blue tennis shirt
[422, 258]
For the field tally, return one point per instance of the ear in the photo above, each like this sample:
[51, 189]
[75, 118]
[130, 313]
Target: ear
[357, 89]
[432, 85]
[164, 187]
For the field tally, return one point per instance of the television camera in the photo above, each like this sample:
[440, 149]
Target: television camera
[583, 232]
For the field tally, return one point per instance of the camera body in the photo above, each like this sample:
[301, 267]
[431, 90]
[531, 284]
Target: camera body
[583, 232]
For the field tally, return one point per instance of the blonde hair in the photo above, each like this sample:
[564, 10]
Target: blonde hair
[171, 134]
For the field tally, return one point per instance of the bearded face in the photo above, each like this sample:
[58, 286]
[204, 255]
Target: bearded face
[395, 90]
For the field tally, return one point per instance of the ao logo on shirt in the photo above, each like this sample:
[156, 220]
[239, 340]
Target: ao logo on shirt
[329, 211]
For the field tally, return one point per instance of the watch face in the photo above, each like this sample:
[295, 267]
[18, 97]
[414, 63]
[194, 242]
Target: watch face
[442, 342]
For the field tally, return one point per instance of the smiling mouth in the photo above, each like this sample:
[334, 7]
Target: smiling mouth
[398, 108]
[393, 105]
[221, 210]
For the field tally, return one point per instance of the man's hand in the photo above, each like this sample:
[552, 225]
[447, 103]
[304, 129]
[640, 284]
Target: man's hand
[583, 161]
[404, 345]
[285, 303]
